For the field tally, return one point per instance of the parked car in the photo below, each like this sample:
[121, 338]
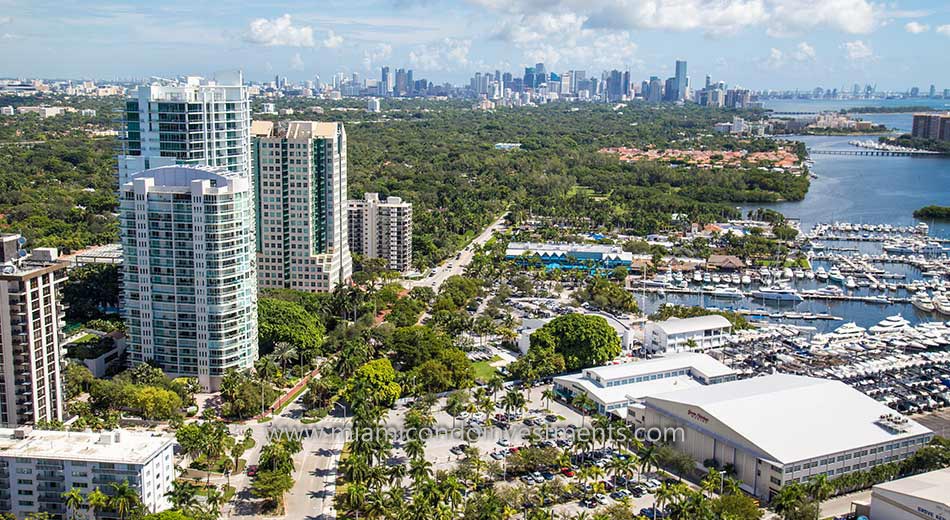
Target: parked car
[252, 470]
[567, 472]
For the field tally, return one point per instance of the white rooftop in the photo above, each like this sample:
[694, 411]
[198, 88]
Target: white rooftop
[565, 248]
[933, 486]
[131, 448]
[704, 363]
[793, 418]
[681, 325]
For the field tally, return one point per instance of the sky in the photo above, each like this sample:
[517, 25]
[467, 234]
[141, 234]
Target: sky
[781, 44]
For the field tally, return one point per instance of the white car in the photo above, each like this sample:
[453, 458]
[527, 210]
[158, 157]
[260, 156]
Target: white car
[464, 415]
[653, 484]
[601, 498]
[504, 442]
[478, 416]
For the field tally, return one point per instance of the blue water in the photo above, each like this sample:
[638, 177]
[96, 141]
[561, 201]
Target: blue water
[859, 189]
[822, 105]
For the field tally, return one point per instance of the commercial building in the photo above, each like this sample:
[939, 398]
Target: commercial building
[37, 467]
[372, 105]
[194, 122]
[680, 334]
[932, 126]
[568, 255]
[300, 178]
[614, 388]
[31, 334]
[925, 496]
[782, 428]
[189, 276]
[382, 229]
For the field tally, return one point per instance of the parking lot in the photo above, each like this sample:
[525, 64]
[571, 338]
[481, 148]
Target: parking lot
[503, 435]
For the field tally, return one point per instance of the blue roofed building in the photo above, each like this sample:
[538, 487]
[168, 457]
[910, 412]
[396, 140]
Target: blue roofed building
[568, 255]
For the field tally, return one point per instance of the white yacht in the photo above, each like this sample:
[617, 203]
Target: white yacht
[777, 293]
[735, 279]
[895, 323]
[942, 303]
[850, 283]
[697, 276]
[716, 278]
[848, 331]
[830, 290]
[707, 278]
[724, 291]
[787, 273]
[922, 301]
[834, 274]
[746, 279]
[810, 274]
[799, 273]
[821, 274]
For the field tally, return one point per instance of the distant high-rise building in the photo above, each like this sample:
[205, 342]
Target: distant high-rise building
[410, 83]
[194, 122]
[372, 105]
[933, 91]
[669, 90]
[655, 90]
[189, 281]
[32, 320]
[708, 81]
[931, 126]
[382, 229]
[300, 174]
[528, 80]
[946, 93]
[914, 92]
[385, 82]
[401, 83]
[681, 80]
[615, 86]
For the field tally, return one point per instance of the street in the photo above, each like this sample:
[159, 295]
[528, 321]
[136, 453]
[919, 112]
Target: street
[455, 266]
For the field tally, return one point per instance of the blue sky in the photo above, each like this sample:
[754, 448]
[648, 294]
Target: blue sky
[754, 43]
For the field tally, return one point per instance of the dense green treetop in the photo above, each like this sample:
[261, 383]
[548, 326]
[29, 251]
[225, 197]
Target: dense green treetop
[583, 340]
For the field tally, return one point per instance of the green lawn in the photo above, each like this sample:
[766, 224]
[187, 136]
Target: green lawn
[484, 370]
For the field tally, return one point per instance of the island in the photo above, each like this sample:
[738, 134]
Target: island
[933, 212]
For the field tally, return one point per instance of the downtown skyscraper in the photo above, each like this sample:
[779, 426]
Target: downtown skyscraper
[681, 81]
[300, 177]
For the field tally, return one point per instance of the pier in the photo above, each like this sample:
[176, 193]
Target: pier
[808, 295]
[876, 153]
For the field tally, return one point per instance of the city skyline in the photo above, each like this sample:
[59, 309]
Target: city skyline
[755, 43]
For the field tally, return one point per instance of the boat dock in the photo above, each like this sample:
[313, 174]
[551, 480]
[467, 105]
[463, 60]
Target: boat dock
[808, 295]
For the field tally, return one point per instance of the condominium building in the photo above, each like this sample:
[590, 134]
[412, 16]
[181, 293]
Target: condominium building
[684, 334]
[300, 177]
[382, 229]
[932, 126]
[31, 334]
[189, 277]
[196, 121]
[37, 467]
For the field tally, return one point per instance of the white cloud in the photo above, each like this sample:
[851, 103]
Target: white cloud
[858, 50]
[446, 54]
[775, 59]
[333, 40]
[944, 29]
[713, 16]
[380, 52]
[916, 27]
[804, 52]
[279, 32]
[296, 62]
[849, 16]
[5, 20]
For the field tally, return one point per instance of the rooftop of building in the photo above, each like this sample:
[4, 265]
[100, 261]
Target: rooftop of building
[16, 262]
[119, 446]
[183, 175]
[704, 363]
[933, 486]
[565, 248]
[793, 418]
[682, 325]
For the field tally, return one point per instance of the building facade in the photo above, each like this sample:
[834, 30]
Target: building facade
[568, 255]
[616, 387]
[931, 126]
[31, 334]
[382, 229]
[780, 428]
[194, 122]
[918, 497]
[37, 467]
[300, 178]
[189, 275]
[682, 334]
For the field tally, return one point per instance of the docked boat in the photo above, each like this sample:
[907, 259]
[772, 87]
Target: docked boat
[831, 290]
[880, 300]
[922, 301]
[777, 293]
[941, 304]
[707, 278]
[716, 278]
[821, 274]
[799, 273]
[787, 273]
[697, 276]
[746, 279]
[810, 274]
[895, 323]
[724, 291]
[834, 274]
[850, 283]
[848, 331]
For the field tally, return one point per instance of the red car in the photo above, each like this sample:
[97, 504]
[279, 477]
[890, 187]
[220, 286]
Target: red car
[252, 470]
[567, 472]
[513, 449]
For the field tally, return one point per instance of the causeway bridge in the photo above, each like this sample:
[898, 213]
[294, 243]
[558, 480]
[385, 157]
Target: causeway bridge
[876, 153]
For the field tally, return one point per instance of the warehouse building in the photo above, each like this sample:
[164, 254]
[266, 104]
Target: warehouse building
[680, 334]
[919, 496]
[615, 387]
[782, 428]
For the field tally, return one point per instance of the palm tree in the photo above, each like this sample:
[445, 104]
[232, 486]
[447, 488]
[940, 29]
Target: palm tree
[788, 499]
[73, 500]
[648, 459]
[284, 352]
[583, 403]
[97, 501]
[820, 489]
[227, 466]
[214, 499]
[548, 396]
[513, 400]
[495, 385]
[124, 499]
[666, 495]
[183, 495]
